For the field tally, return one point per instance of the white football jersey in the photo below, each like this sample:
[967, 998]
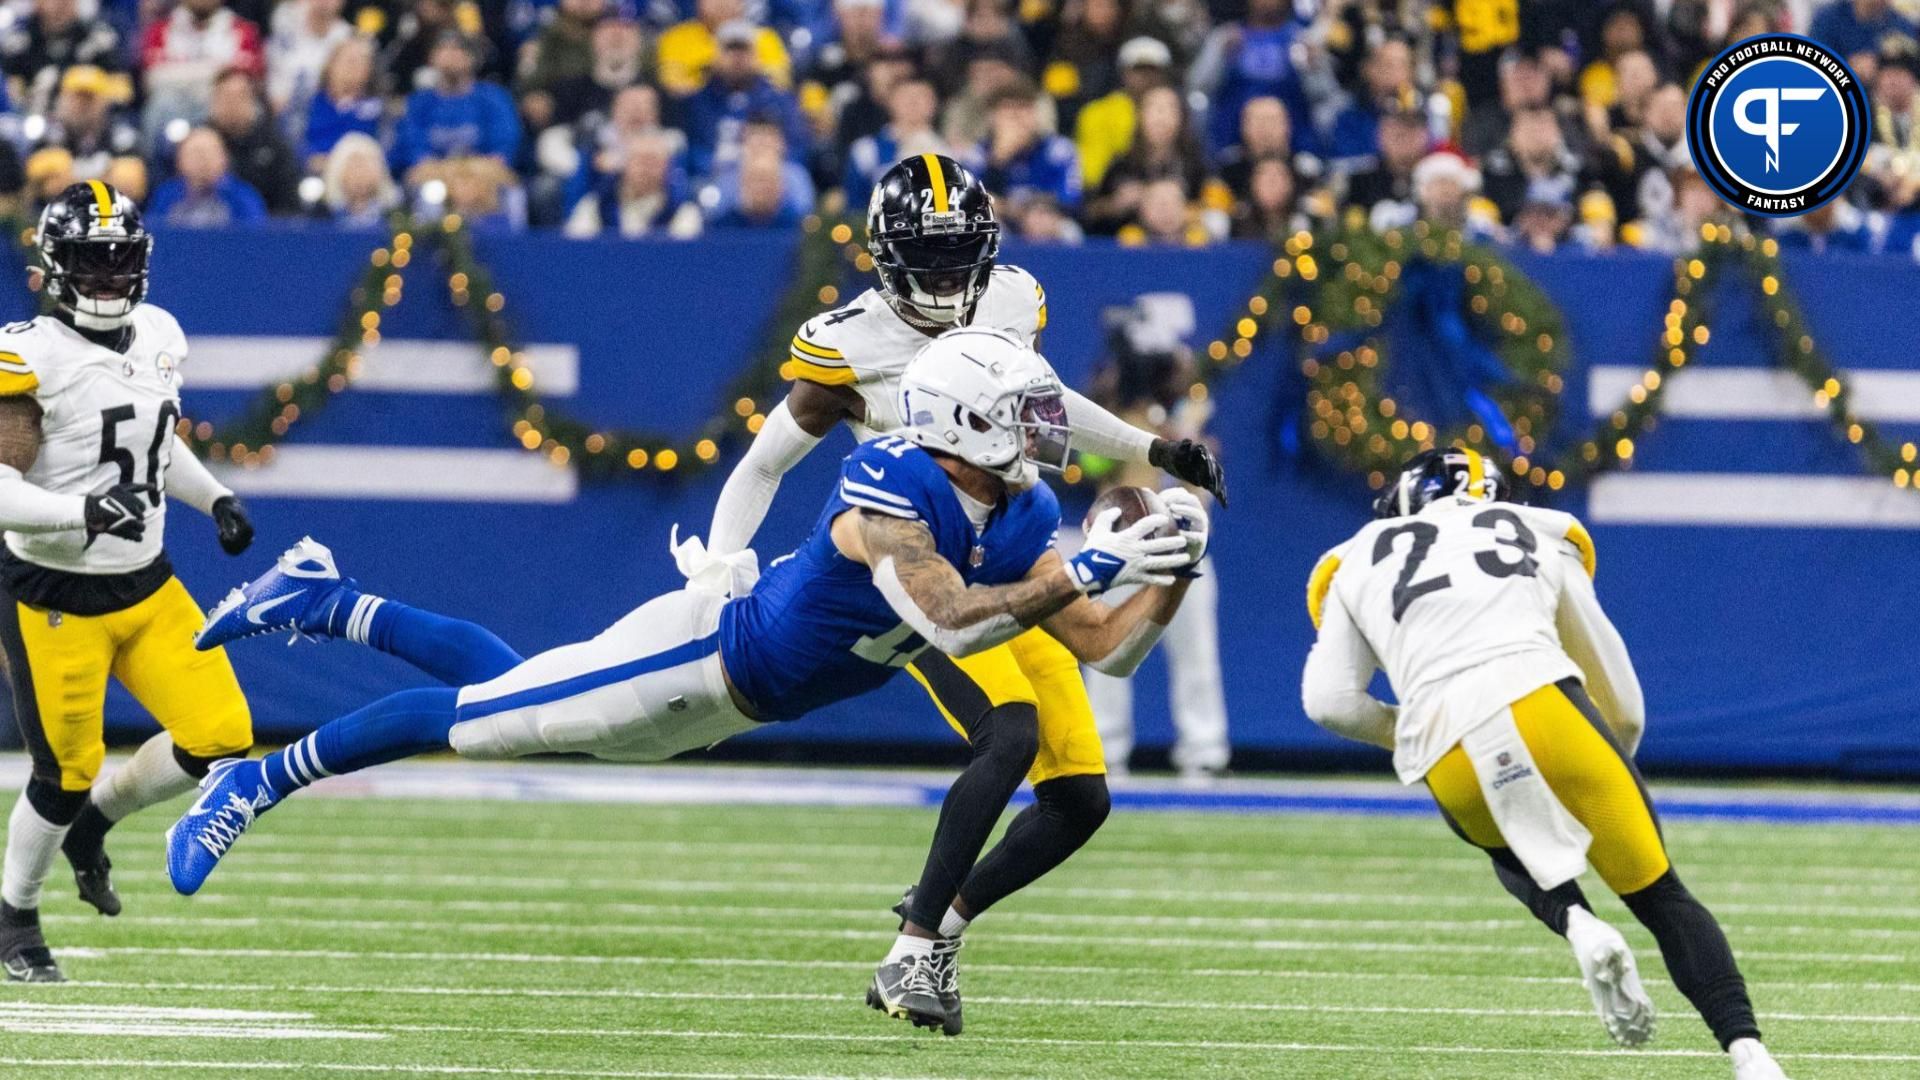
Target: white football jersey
[1459, 605]
[106, 418]
[867, 345]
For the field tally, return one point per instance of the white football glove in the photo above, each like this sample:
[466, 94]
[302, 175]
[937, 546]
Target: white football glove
[1132, 556]
[722, 575]
[1189, 515]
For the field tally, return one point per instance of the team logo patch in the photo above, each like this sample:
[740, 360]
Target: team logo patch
[163, 364]
[1778, 125]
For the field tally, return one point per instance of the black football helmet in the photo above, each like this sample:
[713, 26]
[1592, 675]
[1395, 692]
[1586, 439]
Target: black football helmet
[93, 251]
[933, 237]
[1437, 473]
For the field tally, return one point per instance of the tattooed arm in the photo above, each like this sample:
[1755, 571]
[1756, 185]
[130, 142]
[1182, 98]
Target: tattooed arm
[929, 595]
[1115, 638]
[26, 507]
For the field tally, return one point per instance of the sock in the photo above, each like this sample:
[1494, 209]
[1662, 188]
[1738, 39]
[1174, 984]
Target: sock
[32, 844]
[953, 925]
[397, 726]
[1065, 814]
[907, 945]
[454, 651]
[1699, 960]
[154, 775]
[1004, 742]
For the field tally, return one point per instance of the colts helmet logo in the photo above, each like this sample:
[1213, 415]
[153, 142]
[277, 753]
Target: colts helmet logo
[1778, 125]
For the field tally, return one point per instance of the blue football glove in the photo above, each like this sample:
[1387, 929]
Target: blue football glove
[1133, 556]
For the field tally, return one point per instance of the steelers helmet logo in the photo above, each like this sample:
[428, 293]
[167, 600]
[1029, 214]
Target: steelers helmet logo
[1778, 125]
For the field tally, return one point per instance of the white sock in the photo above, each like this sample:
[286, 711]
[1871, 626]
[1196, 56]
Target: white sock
[32, 844]
[952, 925]
[907, 945]
[153, 776]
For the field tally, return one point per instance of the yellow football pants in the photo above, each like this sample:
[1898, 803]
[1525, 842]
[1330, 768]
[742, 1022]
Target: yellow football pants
[59, 664]
[1586, 771]
[1032, 668]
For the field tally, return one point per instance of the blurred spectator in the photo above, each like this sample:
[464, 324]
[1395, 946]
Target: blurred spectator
[409, 57]
[1386, 88]
[988, 31]
[1252, 58]
[1659, 146]
[1892, 170]
[359, 191]
[1858, 26]
[83, 123]
[688, 49]
[1164, 145]
[257, 152]
[908, 133]
[1524, 84]
[181, 55]
[1625, 28]
[1268, 210]
[762, 201]
[1164, 218]
[761, 137]
[1021, 160]
[1635, 80]
[600, 143]
[345, 102]
[1444, 186]
[561, 53]
[1042, 221]
[1533, 165]
[1088, 56]
[46, 174]
[1837, 226]
[860, 106]
[617, 60]
[736, 91]
[1403, 143]
[1673, 225]
[129, 175]
[855, 37]
[483, 191]
[988, 72]
[1104, 128]
[304, 35]
[203, 194]
[640, 200]
[38, 50]
[458, 116]
[1541, 224]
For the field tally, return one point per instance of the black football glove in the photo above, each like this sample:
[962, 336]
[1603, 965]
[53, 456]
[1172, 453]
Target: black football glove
[120, 511]
[1192, 462]
[236, 528]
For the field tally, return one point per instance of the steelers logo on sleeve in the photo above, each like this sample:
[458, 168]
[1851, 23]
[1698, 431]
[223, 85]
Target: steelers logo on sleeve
[1778, 125]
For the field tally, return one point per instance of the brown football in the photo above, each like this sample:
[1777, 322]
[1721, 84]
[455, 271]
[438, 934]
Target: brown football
[1134, 503]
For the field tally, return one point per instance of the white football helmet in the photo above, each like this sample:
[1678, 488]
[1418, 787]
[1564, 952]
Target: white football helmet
[987, 398]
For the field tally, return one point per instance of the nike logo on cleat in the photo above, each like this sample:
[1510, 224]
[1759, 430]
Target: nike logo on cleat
[264, 606]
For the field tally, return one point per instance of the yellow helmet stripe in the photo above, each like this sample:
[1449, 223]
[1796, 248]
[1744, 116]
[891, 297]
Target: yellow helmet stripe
[1476, 471]
[103, 201]
[939, 178]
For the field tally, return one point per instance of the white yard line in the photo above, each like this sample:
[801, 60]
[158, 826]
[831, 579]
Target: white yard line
[216, 1068]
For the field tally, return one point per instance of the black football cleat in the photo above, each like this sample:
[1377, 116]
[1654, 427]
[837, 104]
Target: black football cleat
[908, 989]
[947, 967]
[24, 955]
[94, 877]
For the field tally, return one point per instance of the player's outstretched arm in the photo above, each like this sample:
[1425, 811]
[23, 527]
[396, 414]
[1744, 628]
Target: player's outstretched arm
[1098, 431]
[1114, 639]
[189, 481]
[1592, 642]
[1333, 689]
[793, 428]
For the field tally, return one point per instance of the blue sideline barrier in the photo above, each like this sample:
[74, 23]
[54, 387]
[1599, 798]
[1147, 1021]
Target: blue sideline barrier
[1759, 647]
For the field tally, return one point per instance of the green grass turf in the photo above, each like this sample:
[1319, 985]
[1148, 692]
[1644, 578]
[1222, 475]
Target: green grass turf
[488, 938]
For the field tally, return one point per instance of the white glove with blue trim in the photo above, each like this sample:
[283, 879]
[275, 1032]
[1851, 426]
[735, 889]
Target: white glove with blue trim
[1133, 556]
[1189, 515]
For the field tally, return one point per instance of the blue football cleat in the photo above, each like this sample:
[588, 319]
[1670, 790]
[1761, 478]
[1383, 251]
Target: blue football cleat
[232, 795]
[298, 594]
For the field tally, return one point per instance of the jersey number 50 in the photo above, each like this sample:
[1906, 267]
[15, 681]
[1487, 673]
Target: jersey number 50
[159, 451]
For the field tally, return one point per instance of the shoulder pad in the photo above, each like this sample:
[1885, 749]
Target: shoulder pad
[1320, 583]
[17, 353]
[815, 354]
[1023, 293]
[1577, 536]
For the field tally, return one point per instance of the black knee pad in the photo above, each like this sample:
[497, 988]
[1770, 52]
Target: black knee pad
[196, 766]
[1010, 735]
[1081, 801]
[50, 802]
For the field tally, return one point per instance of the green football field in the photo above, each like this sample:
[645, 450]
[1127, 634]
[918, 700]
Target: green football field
[380, 936]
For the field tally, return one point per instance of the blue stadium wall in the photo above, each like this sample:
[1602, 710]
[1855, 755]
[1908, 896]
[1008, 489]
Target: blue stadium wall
[1761, 646]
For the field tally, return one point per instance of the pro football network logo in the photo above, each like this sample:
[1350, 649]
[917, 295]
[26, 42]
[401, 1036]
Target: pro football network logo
[1778, 125]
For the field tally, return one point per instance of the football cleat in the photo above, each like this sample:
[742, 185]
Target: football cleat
[24, 955]
[299, 594]
[948, 968]
[1608, 970]
[94, 876]
[232, 795]
[909, 989]
[1751, 1061]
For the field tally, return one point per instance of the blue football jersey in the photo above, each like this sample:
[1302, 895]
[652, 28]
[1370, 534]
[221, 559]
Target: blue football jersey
[816, 630]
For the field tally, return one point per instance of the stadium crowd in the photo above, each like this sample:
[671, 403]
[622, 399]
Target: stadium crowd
[1173, 122]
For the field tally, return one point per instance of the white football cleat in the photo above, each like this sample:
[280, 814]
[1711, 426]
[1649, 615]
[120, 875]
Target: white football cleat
[1751, 1061]
[1607, 968]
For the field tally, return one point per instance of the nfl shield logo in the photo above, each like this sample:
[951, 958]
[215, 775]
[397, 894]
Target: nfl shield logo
[978, 556]
[1505, 759]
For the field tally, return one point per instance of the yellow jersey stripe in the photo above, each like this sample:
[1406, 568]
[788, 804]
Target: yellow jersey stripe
[1319, 585]
[1577, 533]
[15, 383]
[821, 352]
[1476, 471]
[939, 178]
[1040, 320]
[13, 360]
[103, 201]
[798, 370]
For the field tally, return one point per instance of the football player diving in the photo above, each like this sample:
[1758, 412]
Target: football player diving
[937, 538]
[89, 398]
[1520, 710]
[1022, 707]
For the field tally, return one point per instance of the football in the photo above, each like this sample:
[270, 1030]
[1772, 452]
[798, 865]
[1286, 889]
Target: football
[1134, 503]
